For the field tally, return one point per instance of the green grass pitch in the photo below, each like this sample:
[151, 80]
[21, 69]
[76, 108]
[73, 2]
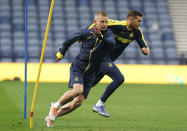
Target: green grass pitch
[132, 108]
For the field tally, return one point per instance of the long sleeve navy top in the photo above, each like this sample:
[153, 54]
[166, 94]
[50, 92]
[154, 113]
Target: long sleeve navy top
[93, 49]
[123, 37]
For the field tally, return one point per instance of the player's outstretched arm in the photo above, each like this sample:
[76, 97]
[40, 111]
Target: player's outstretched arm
[72, 39]
[69, 41]
[141, 42]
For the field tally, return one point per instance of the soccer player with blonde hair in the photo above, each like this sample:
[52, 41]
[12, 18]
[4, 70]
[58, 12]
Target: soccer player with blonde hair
[96, 42]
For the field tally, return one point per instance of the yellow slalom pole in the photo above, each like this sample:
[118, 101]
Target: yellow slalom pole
[41, 61]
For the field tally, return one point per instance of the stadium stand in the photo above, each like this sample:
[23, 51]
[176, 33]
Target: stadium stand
[70, 15]
[179, 23]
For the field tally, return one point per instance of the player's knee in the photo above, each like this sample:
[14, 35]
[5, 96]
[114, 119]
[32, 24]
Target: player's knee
[75, 105]
[78, 90]
[121, 79]
[78, 101]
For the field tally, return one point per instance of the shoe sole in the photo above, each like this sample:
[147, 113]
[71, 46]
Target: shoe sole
[94, 110]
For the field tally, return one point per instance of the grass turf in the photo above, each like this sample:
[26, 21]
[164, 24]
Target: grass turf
[132, 108]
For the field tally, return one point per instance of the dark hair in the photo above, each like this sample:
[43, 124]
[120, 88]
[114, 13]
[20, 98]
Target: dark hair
[134, 13]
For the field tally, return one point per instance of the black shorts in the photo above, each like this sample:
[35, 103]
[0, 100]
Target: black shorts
[77, 77]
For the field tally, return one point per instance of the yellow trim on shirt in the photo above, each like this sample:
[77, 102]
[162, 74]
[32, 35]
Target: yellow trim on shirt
[144, 40]
[90, 56]
[114, 22]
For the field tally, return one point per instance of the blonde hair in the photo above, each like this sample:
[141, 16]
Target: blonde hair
[100, 13]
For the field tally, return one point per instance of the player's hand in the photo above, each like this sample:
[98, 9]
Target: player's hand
[59, 56]
[145, 51]
[57, 59]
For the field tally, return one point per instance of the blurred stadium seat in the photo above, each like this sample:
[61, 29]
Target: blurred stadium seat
[70, 15]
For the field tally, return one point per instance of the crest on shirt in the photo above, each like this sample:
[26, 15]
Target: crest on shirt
[88, 37]
[110, 64]
[131, 35]
[76, 78]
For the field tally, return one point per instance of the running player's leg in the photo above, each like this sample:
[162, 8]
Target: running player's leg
[69, 107]
[76, 83]
[77, 101]
[117, 77]
[114, 73]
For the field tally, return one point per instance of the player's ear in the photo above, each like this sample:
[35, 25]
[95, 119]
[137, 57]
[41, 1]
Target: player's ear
[94, 21]
[131, 19]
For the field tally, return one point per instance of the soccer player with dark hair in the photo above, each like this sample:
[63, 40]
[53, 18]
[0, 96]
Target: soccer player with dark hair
[96, 42]
[125, 32]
